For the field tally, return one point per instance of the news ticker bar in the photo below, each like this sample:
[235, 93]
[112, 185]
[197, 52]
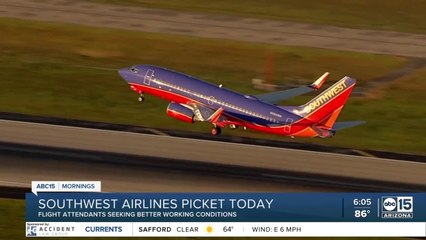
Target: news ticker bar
[226, 207]
[225, 229]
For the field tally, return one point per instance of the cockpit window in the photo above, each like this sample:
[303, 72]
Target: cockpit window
[134, 70]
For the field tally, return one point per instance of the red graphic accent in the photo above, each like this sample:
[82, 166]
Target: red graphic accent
[329, 121]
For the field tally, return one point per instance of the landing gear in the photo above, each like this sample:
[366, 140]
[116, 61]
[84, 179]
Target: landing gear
[216, 131]
[141, 97]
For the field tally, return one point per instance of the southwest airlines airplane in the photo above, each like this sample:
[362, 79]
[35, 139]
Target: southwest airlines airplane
[193, 100]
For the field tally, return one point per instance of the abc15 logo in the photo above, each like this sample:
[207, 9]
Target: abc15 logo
[400, 204]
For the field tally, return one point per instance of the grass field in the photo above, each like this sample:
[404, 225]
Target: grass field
[396, 15]
[12, 223]
[52, 69]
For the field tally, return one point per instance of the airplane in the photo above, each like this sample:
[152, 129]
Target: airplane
[193, 100]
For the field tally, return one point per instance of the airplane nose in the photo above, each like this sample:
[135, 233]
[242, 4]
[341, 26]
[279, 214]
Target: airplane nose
[124, 73]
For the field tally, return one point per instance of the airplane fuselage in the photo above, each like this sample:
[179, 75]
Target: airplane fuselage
[184, 89]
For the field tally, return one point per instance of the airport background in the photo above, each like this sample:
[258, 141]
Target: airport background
[55, 65]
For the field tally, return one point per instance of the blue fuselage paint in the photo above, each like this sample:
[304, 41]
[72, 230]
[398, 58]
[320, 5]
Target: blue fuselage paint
[246, 108]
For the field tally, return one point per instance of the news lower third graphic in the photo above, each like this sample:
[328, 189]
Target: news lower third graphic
[79, 208]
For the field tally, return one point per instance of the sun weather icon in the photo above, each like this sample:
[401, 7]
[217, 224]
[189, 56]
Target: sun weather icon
[209, 229]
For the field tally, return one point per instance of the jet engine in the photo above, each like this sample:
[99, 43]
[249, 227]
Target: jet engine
[180, 112]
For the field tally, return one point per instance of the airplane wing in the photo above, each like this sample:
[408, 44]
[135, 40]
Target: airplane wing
[278, 96]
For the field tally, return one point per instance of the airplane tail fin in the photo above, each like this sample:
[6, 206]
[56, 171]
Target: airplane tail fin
[324, 109]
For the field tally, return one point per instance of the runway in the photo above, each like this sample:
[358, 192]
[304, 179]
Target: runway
[19, 171]
[190, 151]
[217, 26]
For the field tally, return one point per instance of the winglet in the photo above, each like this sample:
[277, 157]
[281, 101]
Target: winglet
[320, 81]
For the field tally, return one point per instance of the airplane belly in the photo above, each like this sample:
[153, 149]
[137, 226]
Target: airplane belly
[285, 130]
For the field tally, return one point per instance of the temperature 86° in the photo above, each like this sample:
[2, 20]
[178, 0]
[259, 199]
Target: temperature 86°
[361, 213]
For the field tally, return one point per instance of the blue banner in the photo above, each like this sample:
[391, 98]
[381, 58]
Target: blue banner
[225, 207]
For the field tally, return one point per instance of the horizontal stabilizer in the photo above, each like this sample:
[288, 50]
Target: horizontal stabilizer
[342, 125]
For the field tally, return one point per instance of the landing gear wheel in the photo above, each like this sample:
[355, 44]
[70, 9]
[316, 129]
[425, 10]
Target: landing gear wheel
[141, 98]
[216, 131]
